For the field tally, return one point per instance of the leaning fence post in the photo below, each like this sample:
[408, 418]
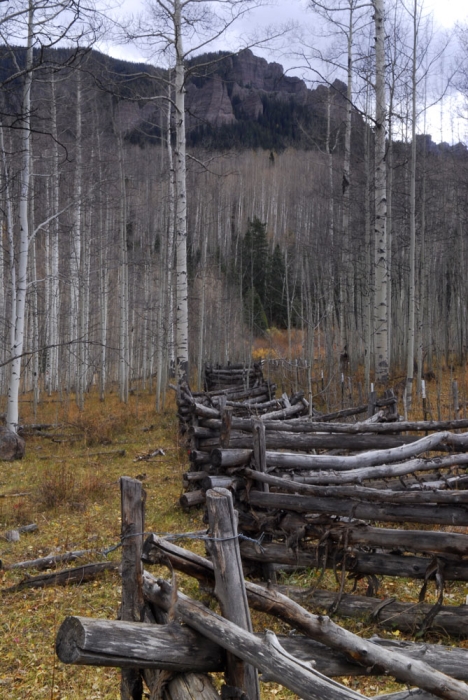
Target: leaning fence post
[133, 525]
[229, 583]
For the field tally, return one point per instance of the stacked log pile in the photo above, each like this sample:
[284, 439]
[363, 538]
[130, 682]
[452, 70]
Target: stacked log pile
[322, 495]
[206, 418]
[150, 645]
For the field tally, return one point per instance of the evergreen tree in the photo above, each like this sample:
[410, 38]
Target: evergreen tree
[276, 291]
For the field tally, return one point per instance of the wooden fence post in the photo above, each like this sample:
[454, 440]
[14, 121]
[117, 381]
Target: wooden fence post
[133, 525]
[226, 423]
[372, 402]
[259, 448]
[229, 584]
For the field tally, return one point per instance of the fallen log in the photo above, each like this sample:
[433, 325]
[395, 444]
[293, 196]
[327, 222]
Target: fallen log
[49, 561]
[272, 662]
[391, 513]
[81, 574]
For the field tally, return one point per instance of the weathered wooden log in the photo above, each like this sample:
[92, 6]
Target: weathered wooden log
[266, 655]
[451, 543]
[198, 458]
[308, 441]
[192, 477]
[390, 614]
[229, 583]
[190, 686]
[288, 412]
[113, 643]
[308, 426]
[411, 694]
[133, 526]
[224, 482]
[192, 498]
[48, 562]
[205, 411]
[318, 627]
[286, 460]
[237, 394]
[361, 493]
[365, 427]
[226, 426]
[383, 456]
[95, 642]
[224, 459]
[391, 513]
[78, 575]
[357, 563]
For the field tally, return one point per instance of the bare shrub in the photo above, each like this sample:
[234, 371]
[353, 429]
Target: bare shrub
[60, 486]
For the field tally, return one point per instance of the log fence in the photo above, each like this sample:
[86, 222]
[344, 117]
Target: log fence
[287, 488]
[173, 660]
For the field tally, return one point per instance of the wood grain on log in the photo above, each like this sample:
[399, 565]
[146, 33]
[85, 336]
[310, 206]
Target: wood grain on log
[360, 493]
[357, 563]
[229, 583]
[356, 475]
[133, 527]
[88, 641]
[391, 513]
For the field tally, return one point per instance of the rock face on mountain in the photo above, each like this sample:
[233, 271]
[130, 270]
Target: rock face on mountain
[236, 87]
[237, 100]
[210, 103]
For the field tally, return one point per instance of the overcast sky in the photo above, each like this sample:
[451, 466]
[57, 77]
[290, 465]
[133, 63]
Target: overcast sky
[443, 123]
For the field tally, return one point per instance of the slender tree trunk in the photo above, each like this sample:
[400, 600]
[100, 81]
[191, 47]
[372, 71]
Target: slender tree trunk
[182, 329]
[412, 251]
[381, 273]
[12, 417]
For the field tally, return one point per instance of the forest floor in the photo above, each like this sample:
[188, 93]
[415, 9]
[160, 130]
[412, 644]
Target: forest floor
[68, 483]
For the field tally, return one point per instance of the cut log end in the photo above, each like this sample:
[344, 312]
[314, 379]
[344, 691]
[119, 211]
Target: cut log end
[70, 639]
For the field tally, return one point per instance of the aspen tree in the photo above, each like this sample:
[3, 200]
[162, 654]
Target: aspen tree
[380, 225]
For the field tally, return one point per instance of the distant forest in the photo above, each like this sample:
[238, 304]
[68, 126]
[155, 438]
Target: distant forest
[265, 241]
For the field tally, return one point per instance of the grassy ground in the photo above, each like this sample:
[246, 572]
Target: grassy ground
[68, 485]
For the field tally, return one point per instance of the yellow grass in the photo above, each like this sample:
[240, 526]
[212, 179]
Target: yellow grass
[71, 490]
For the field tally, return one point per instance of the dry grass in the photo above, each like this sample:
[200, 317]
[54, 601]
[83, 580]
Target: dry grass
[72, 493]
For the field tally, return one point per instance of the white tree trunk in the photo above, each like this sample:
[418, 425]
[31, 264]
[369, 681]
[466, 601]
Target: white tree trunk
[380, 228]
[412, 252]
[75, 252]
[182, 330]
[19, 295]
